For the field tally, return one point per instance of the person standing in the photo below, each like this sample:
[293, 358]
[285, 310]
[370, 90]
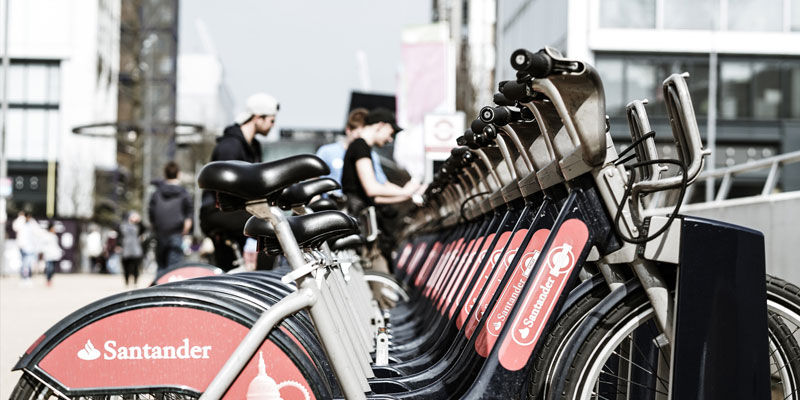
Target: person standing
[362, 188]
[27, 231]
[238, 142]
[358, 173]
[170, 214]
[333, 153]
[52, 252]
[131, 247]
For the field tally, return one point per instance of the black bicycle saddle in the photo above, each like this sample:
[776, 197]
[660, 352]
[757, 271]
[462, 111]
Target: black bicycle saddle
[322, 205]
[249, 181]
[348, 242]
[310, 230]
[302, 192]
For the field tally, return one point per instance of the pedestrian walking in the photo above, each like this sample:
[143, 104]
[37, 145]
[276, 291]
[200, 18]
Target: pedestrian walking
[51, 252]
[170, 214]
[130, 239]
[94, 249]
[28, 235]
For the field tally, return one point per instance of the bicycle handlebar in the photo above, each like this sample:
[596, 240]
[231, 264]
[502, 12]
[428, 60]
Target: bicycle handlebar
[515, 91]
[501, 100]
[538, 65]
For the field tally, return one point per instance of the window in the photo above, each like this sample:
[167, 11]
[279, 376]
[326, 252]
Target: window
[734, 90]
[748, 88]
[33, 93]
[611, 71]
[767, 94]
[755, 15]
[628, 14]
[792, 72]
[765, 89]
[691, 14]
[795, 17]
[739, 15]
[636, 76]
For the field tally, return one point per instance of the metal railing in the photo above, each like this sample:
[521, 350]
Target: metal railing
[727, 174]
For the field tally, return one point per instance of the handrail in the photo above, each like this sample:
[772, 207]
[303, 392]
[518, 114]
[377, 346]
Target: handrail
[728, 173]
[786, 158]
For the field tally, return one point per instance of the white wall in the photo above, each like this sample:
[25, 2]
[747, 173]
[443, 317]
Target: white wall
[203, 97]
[528, 24]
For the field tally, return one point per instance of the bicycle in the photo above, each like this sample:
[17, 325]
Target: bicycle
[530, 176]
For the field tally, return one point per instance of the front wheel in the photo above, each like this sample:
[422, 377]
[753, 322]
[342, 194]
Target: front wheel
[30, 388]
[624, 357]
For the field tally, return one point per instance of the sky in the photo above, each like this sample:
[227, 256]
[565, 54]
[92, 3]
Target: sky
[303, 52]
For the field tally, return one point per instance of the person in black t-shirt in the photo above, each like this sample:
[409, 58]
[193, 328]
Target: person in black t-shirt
[358, 175]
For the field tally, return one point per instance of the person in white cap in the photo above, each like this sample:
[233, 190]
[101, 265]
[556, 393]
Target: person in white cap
[238, 142]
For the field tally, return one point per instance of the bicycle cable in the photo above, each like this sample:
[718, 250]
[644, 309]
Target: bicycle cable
[629, 188]
[467, 200]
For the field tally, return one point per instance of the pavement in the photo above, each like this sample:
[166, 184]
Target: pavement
[28, 310]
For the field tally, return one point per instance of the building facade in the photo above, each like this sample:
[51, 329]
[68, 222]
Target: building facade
[64, 58]
[743, 58]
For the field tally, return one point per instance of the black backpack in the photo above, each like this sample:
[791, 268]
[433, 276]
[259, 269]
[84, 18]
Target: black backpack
[168, 213]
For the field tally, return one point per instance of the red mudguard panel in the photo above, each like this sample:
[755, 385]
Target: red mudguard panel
[165, 346]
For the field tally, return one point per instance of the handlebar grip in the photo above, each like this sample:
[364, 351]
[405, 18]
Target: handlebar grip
[514, 91]
[538, 64]
[489, 134]
[502, 100]
[477, 125]
[487, 115]
[461, 140]
[458, 152]
[474, 139]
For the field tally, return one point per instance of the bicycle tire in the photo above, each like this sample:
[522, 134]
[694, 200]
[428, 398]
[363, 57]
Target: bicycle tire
[591, 370]
[30, 388]
[558, 337]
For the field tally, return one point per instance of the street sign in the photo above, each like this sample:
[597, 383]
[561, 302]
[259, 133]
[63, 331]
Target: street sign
[441, 131]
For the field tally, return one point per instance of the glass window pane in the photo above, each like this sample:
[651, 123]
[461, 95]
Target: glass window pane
[611, 72]
[37, 83]
[664, 68]
[698, 86]
[36, 135]
[16, 83]
[641, 81]
[54, 134]
[755, 15]
[795, 18]
[53, 84]
[793, 86]
[627, 13]
[766, 90]
[691, 14]
[15, 134]
[735, 79]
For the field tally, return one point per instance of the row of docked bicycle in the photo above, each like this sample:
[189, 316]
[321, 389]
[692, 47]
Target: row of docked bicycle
[534, 270]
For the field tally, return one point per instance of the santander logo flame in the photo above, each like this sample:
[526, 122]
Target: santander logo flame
[88, 352]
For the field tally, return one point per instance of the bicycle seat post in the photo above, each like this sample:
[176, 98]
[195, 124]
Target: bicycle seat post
[353, 384]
